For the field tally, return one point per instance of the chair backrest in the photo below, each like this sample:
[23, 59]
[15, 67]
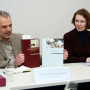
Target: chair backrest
[71, 86]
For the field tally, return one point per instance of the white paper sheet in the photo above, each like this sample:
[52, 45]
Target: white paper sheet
[21, 69]
[24, 37]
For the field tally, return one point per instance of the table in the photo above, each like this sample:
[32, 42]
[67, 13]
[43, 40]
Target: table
[80, 72]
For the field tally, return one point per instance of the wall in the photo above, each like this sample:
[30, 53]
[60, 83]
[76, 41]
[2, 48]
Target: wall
[43, 18]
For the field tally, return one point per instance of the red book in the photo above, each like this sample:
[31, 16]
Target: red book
[31, 49]
[2, 81]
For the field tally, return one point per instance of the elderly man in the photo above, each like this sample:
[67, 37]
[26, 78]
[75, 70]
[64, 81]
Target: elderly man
[10, 43]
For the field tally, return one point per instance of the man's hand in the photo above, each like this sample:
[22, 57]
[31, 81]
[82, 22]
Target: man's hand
[19, 59]
[65, 55]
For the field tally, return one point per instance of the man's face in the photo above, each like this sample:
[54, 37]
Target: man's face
[5, 27]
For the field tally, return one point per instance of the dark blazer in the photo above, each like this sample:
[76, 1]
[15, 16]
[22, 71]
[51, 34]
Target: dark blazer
[77, 51]
[16, 45]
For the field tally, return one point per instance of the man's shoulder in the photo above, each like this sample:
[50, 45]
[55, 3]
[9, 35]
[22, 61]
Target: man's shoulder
[16, 35]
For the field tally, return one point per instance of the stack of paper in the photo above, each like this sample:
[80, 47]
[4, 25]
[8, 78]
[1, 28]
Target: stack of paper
[22, 69]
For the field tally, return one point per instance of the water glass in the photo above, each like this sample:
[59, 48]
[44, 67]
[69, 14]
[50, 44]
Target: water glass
[9, 70]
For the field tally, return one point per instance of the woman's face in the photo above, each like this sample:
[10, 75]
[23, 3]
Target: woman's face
[80, 22]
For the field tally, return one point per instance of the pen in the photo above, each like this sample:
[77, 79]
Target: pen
[3, 72]
[25, 71]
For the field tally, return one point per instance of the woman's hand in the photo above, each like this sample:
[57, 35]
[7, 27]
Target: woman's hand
[65, 54]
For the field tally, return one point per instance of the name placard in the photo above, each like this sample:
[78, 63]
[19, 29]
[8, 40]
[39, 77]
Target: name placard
[51, 74]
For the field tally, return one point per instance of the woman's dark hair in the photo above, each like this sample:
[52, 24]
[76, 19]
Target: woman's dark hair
[85, 14]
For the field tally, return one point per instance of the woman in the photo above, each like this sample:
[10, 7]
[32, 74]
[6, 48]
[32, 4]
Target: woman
[77, 41]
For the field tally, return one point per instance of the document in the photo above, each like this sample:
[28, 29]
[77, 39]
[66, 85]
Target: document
[25, 37]
[85, 64]
[22, 69]
[52, 52]
[51, 74]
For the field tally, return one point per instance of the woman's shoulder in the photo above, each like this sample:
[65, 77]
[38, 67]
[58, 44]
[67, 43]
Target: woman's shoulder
[71, 33]
[88, 33]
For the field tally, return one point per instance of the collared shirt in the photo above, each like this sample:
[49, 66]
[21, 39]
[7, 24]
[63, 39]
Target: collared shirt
[9, 52]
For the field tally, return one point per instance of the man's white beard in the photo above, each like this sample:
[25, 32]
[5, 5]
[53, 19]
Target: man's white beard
[7, 37]
[4, 36]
